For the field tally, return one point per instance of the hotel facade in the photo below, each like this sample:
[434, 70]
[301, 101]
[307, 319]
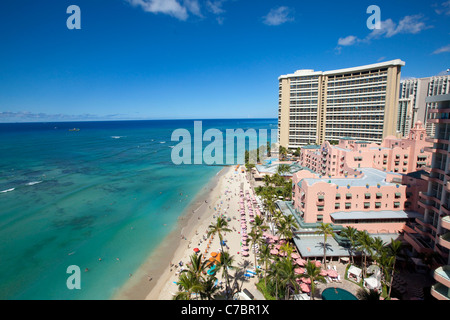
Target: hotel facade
[431, 235]
[359, 102]
[399, 155]
[412, 101]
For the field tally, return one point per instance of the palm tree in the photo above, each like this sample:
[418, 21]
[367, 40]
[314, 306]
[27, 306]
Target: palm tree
[283, 152]
[226, 263]
[287, 248]
[394, 249]
[197, 266]
[365, 245]
[379, 246]
[187, 285]
[209, 288]
[220, 227]
[313, 273]
[288, 276]
[371, 295]
[283, 168]
[265, 256]
[267, 180]
[350, 233]
[326, 229]
[255, 237]
[274, 275]
[285, 226]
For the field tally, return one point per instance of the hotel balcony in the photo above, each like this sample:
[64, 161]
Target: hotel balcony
[437, 110]
[438, 120]
[432, 179]
[419, 244]
[435, 149]
[429, 197]
[440, 292]
[445, 222]
[425, 224]
[425, 232]
[437, 140]
[428, 206]
[442, 275]
[444, 240]
[445, 209]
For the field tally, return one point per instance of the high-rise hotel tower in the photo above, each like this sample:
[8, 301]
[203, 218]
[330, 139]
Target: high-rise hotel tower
[359, 102]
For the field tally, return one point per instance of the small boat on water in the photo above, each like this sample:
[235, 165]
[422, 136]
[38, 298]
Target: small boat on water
[74, 129]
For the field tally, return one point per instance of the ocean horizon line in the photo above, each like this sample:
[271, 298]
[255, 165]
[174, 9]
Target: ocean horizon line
[118, 120]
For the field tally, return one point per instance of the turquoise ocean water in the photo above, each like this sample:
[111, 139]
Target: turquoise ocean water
[109, 191]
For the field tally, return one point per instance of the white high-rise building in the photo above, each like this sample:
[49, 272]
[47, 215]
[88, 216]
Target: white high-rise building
[412, 105]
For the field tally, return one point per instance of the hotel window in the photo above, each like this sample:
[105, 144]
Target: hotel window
[348, 196]
[320, 198]
[348, 205]
[366, 205]
[367, 195]
[337, 205]
[379, 195]
[338, 196]
[377, 204]
[320, 217]
[396, 204]
[319, 208]
[397, 195]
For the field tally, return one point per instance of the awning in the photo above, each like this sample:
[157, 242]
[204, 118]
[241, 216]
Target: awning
[338, 195]
[321, 197]
[348, 195]
[398, 194]
[379, 194]
[367, 195]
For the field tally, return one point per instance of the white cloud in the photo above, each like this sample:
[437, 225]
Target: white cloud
[442, 49]
[407, 25]
[347, 41]
[174, 8]
[278, 16]
[215, 6]
[444, 8]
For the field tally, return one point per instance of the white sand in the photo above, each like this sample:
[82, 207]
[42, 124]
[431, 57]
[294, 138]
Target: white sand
[225, 199]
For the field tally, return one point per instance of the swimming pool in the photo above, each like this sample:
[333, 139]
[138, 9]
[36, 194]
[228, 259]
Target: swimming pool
[337, 294]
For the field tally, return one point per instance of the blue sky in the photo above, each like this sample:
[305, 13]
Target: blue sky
[170, 59]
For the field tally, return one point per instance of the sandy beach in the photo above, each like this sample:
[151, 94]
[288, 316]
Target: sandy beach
[155, 279]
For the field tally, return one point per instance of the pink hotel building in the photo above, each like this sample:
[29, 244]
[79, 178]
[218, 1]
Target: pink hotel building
[364, 185]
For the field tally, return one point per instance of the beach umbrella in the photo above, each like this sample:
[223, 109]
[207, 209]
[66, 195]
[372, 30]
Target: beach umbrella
[305, 288]
[300, 262]
[245, 248]
[245, 253]
[332, 273]
[276, 238]
[196, 249]
[295, 255]
[213, 254]
[299, 270]
[323, 273]
[317, 263]
[306, 280]
[274, 251]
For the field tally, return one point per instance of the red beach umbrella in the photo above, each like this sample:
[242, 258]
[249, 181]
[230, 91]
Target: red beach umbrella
[196, 249]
